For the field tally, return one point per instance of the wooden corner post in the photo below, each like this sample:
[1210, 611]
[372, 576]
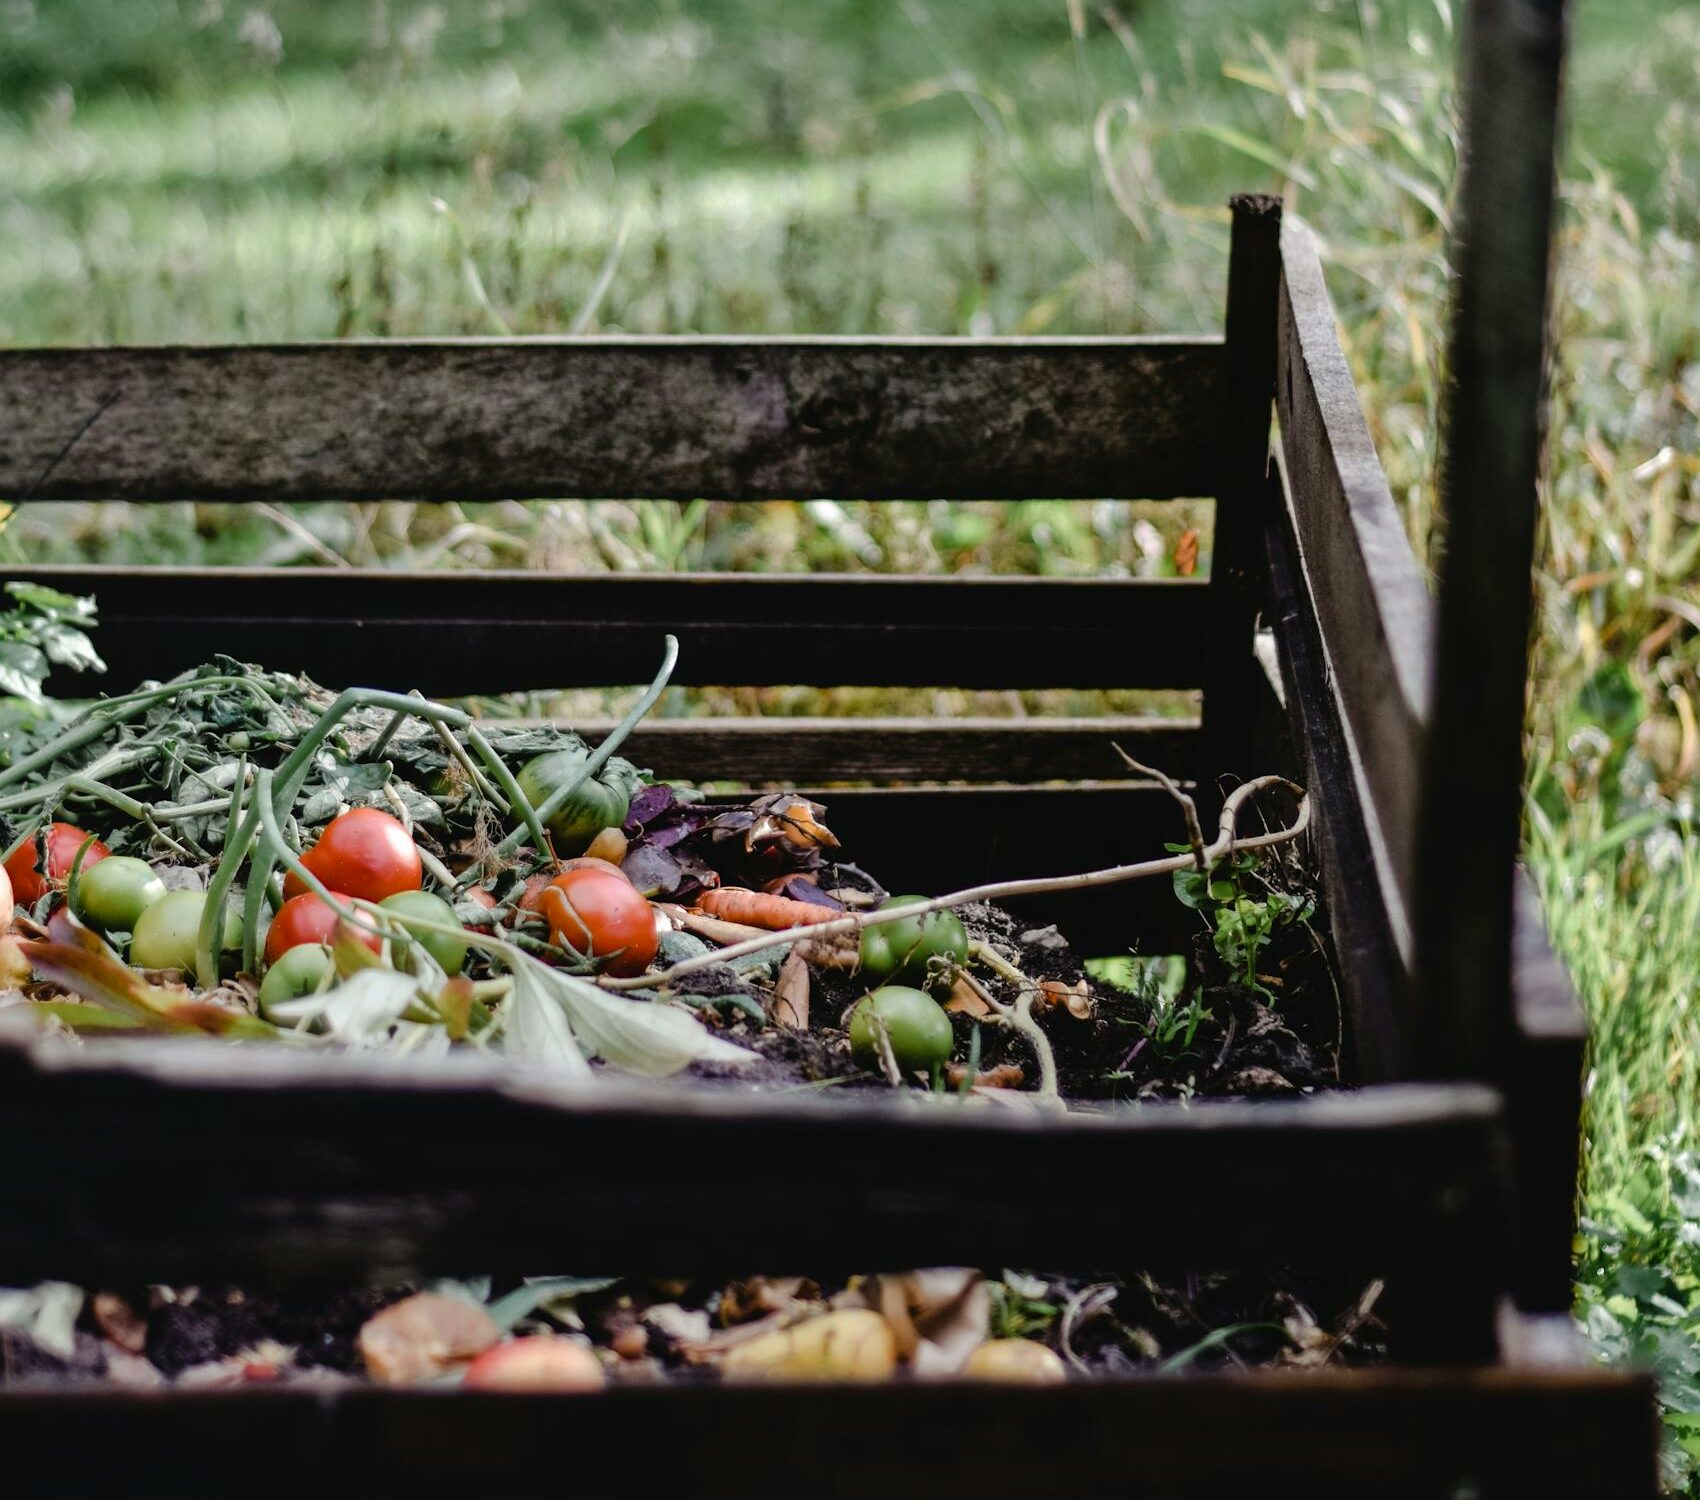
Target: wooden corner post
[1231, 695]
[1471, 789]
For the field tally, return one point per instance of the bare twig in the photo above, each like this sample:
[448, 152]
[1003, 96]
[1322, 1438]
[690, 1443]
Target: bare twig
[1225, 843]
[1189, 808]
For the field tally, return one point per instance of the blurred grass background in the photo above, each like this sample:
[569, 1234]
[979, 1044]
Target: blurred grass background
[182, 170]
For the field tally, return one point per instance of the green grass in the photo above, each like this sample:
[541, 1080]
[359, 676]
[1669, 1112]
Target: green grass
[900, 166]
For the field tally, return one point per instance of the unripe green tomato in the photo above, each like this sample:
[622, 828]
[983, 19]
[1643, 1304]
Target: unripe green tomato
[113, 893]
[299, 971]
[449, 953]
[593, 807]
[915, 1024]
[903, 950]
[164, 934]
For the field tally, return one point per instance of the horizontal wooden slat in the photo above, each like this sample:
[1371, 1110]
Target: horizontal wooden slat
[1376, 615]
[468, 1163]
[932, 840]
[793, 751]
[491, 632]
[1331, 1434]
[726, 418]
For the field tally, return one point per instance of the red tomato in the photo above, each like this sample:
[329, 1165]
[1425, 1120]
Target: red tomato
[63, 840]
[601, 916]
[364, 852]
[531, 898]
[306, 919]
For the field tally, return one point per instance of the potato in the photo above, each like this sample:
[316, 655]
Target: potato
[856, 1344]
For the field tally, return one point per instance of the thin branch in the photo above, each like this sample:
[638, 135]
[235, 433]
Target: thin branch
[1189, 808]
[1004, 890]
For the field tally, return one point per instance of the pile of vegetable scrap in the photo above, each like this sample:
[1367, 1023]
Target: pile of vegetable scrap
[582, 1334]
[240, 853]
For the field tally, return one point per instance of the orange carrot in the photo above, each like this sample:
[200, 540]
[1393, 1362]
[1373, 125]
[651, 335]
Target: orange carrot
[758, 909]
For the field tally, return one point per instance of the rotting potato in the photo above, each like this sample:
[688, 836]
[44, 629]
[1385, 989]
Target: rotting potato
[1017, 1361]
[855, 1344]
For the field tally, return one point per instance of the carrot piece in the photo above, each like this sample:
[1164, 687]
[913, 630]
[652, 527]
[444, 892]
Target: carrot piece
[758, 909]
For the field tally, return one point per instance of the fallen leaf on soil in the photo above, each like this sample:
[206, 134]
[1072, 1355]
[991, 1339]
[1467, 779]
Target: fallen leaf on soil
[966, 1000]
[424, 1336]
[791, 993]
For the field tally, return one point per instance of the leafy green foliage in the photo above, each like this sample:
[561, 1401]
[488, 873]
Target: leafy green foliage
[44, 629]
[1638, 1290]
[1019, 1310]
[1243, 909]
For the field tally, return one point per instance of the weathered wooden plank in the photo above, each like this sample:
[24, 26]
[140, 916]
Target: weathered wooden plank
[828, 751]
[1373, 980]
[1237, 563]
[934, 839]
[1375, 613]
[492, 632]
[1371, 1180]
[1494, 427]
[1544, 1098]
[724, 418]
[1502, 1434]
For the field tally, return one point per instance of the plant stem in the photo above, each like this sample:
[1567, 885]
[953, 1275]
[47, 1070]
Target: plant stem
[599, 757]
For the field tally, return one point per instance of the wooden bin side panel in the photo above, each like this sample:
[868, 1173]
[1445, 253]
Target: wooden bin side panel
[733, 419]
[1572, 1434]
[339, 1165]
[1375, 613]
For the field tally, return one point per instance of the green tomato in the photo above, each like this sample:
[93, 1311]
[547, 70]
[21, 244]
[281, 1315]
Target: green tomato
[298, 971]
[114, 892]
[903, 950]
[164, 935]
[602, 802]
[915, 1023]
[449, 953]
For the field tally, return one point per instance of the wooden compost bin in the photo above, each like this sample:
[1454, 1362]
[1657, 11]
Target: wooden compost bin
[1451, 1170]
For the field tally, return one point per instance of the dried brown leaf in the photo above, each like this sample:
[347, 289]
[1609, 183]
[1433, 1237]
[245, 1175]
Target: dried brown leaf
[966, 999]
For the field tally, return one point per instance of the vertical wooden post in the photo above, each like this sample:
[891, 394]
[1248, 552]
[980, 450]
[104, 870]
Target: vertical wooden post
[1231, 696]
[1471, 791]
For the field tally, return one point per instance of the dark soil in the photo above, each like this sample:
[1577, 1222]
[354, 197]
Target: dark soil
[1285, 1039]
